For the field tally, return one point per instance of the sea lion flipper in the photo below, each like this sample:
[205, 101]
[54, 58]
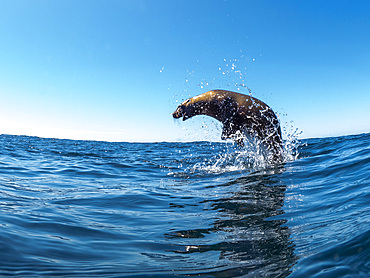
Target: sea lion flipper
[226, 131]
[229, 132]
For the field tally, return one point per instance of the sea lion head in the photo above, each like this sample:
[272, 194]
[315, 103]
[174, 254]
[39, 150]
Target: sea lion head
[186, 110]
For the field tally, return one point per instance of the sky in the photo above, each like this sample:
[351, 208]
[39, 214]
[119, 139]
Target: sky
[116, 70]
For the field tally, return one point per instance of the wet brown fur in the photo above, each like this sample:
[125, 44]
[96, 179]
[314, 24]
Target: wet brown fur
[237, 113]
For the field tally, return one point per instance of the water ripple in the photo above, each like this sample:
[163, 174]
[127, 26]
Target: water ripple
[93, 209]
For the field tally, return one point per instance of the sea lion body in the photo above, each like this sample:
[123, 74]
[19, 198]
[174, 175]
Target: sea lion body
[238, 113]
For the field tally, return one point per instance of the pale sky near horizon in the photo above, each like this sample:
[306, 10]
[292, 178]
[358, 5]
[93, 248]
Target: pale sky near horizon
[116, 70]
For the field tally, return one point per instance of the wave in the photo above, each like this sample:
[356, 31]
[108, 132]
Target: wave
[81, 208]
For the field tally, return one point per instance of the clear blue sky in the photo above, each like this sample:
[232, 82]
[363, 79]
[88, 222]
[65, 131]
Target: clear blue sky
[116, 70]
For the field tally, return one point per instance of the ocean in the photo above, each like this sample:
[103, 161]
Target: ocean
[200, 209]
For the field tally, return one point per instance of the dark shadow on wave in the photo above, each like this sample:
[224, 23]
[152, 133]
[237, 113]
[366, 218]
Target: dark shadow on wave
[256, 243]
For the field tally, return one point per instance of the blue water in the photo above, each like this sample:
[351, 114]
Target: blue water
[98, 209]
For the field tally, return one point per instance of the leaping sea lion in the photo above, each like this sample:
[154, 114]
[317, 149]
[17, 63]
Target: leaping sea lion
[239, 114]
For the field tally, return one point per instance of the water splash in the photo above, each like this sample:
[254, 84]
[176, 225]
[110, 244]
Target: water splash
[292, 133]
[231, 161]
[253, 156]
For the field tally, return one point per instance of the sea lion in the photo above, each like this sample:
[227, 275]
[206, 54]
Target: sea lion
[239, 114]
